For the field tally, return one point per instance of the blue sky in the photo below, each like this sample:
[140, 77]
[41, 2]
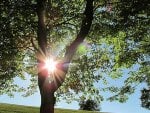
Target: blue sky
[131, 106]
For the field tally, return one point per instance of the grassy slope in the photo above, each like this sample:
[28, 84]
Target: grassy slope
[10, 108]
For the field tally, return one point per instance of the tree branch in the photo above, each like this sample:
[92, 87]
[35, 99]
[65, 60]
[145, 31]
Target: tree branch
[85, 27]
[41, 33]
[64, 22]
[34, 46]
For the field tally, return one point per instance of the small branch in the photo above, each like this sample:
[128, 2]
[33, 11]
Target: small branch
[61, 23]
[66, 21]
[106, 3]
[33, 44]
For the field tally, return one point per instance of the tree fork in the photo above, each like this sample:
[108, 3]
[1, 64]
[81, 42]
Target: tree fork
[47, 88]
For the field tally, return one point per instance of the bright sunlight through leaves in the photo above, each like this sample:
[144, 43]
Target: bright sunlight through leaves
[50, 64]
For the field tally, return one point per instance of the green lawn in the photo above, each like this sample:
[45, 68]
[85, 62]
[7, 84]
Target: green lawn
[11, 108]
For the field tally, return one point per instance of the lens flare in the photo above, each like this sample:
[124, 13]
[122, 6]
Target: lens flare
[50, 64]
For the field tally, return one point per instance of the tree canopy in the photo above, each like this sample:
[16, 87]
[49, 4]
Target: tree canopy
[89, 105]
[118, 39]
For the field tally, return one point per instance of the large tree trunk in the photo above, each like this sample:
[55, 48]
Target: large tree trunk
[46, 91]
[47, 100]
[48, 87]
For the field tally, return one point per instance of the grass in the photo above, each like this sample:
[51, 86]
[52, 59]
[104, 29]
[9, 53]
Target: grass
[11, 108]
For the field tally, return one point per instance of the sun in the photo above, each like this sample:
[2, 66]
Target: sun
[50, 64]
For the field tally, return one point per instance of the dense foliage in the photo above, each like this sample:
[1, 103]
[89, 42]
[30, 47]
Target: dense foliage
[119, 40]
[89, 105]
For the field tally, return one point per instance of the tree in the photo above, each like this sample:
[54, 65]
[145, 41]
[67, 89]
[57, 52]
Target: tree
[118, 37]
[89, 105]
[47, 89]
[145, 98]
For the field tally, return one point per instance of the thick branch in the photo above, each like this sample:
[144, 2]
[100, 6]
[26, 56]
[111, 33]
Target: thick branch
[85, 27]
[41, 33]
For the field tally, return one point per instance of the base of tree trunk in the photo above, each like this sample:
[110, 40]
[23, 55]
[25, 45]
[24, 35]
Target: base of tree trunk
[47, 103]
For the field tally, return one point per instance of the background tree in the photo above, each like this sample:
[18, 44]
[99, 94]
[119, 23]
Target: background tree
[118, 39]
[89, 105]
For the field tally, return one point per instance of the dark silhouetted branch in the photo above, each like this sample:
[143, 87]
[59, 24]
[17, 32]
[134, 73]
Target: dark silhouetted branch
[84, 30]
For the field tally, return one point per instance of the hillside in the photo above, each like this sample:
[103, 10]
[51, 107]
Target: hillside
[11, 108]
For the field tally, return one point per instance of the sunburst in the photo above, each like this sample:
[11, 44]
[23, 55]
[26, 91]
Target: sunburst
[50, 64]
